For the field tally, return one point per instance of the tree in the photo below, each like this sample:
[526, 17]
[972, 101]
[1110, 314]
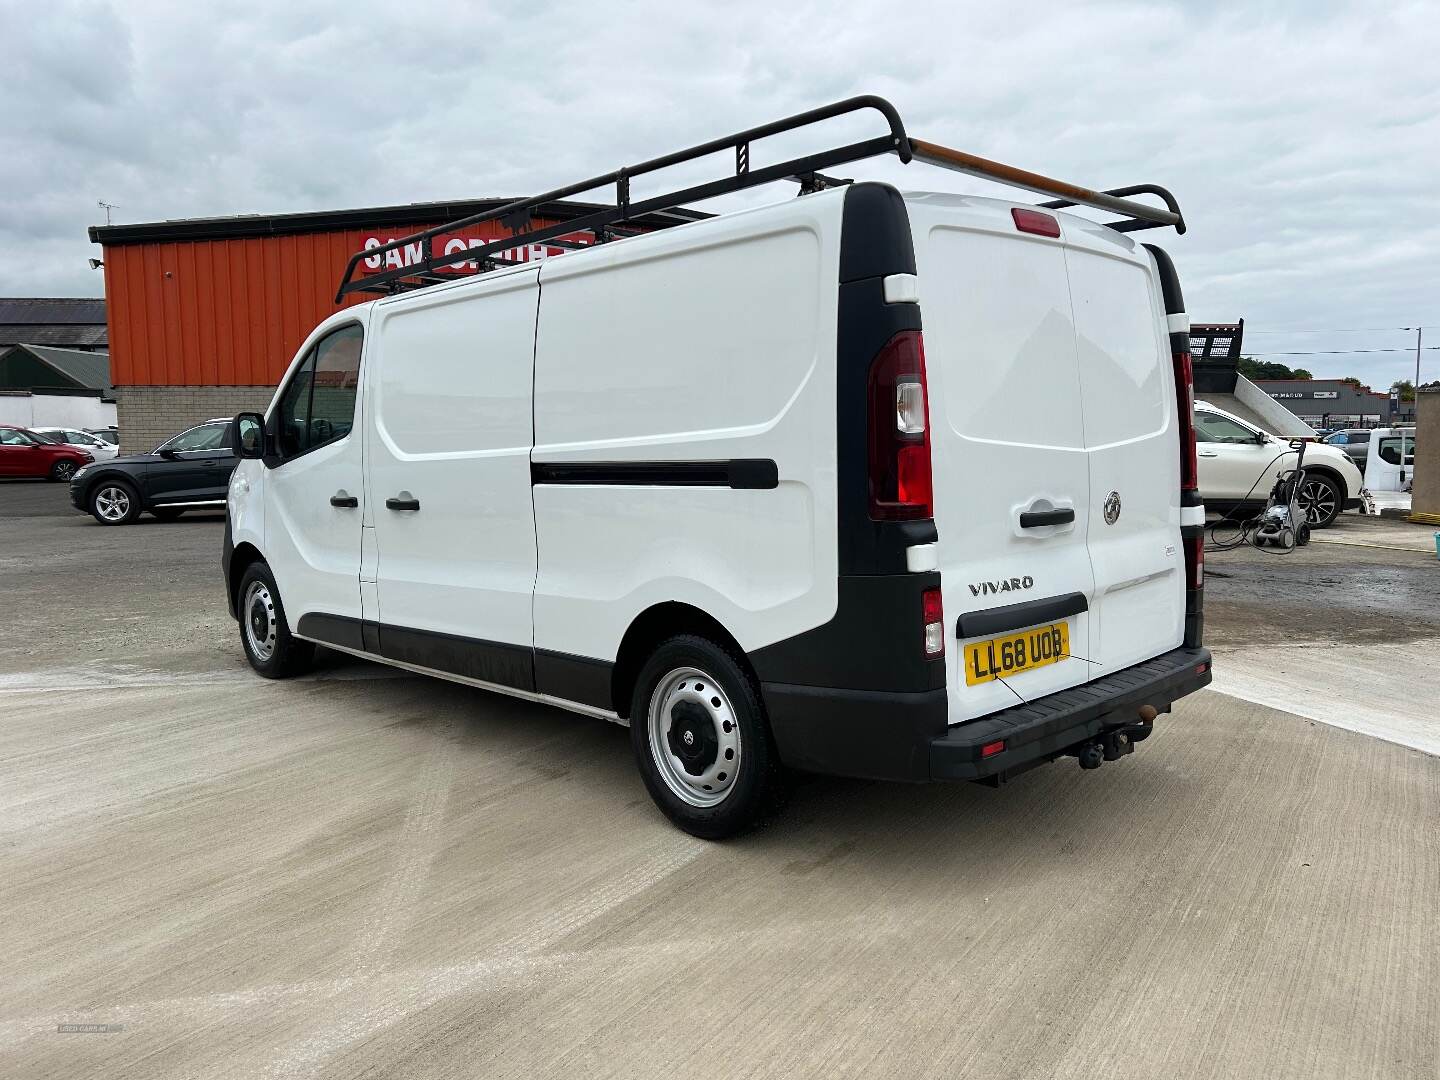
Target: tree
[1265, 369]
[1406, 388]
[1301, 373]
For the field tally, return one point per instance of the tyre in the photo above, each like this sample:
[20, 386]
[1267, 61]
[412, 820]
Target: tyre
[163, 514]
[264, 632]
[62, 471]
[1320, 496]
[702, 741]
[114, 502]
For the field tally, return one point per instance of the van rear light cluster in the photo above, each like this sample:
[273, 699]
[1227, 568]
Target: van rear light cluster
[900, 478]
[933, 615]
[1185, 399]
[1194, 562]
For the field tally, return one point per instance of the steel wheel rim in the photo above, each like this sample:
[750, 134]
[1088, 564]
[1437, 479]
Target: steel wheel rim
[112, 503]
[688, 702]
[64, 470]
[1319, 501]
[259, 611]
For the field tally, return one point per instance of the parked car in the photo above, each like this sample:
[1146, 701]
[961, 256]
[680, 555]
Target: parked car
[188, 472]
[1355, 442]
[1239, 465]
[98, 448]
[26, 453]
[665, 488]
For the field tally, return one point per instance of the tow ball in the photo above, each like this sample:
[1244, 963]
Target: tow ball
[1117, 742]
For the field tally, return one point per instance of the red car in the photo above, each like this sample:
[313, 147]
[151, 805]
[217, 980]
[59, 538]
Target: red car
[24, 453]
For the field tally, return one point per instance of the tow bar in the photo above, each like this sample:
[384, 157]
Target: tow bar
[1114, 744]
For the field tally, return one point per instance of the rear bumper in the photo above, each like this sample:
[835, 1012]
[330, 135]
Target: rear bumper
[1044, 729]
[897, 736]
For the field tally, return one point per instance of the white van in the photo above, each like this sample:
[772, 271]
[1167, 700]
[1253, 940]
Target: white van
[892, 486]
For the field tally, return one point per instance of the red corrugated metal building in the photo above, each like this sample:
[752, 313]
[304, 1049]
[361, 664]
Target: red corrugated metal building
[205, 314]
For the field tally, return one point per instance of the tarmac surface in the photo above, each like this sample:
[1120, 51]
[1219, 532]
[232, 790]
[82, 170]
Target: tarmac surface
[366, 874]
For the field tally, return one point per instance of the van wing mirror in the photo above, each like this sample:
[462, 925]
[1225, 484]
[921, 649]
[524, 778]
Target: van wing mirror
[247, 435]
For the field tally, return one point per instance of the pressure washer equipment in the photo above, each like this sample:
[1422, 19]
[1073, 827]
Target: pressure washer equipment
[1282, 523]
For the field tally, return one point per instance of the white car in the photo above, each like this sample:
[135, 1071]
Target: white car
[709, 482]
[1239, 465]
[99, 449]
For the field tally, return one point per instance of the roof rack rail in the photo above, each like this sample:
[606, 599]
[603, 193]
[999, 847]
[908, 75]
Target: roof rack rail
[518, 216]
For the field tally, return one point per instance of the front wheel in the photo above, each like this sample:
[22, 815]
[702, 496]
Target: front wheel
[62, 471]
[1320, 496]
[264, 631]
[114, 502]
[701, 739]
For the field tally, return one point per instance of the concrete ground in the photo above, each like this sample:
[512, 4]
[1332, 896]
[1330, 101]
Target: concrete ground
[364, 874]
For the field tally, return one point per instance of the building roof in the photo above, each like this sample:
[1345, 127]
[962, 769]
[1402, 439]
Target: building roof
[48, 310]
[58, 321]
[410, 214]
[87, 370]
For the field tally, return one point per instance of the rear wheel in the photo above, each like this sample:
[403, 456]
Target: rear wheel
[701, 739]
[264, 632]
[62, 471]
[114, 502]
[1320, 496]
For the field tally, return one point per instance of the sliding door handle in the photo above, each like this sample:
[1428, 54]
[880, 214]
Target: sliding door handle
[403, 501]
[1034, 519]
[345, 502]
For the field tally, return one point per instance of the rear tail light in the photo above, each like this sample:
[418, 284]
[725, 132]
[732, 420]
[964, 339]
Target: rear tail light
[934, 620]
[1185, 399]
[900, 479]
[1194, 562]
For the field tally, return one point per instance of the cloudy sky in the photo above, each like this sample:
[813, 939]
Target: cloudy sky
[1302, 138]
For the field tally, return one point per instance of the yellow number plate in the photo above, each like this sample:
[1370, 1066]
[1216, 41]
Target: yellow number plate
[1014, 653]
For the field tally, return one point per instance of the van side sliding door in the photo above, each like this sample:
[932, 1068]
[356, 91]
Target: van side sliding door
[448, 476]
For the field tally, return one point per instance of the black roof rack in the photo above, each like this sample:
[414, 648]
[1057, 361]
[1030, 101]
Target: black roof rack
[518, 215]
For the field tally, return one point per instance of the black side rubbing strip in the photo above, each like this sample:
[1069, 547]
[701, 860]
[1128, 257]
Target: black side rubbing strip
[997, 620]
[1034, 519]
[738, 473]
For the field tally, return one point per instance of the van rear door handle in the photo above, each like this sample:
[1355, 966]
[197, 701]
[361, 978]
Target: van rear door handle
[1207, 453]
[408, 502]
[347, 502]
[1034, 519]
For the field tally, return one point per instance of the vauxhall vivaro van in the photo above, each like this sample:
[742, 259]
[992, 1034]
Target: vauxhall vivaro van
[888, 485]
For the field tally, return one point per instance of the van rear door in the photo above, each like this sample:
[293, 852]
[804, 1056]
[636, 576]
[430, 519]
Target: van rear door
[1127, 399]
[1012, 483]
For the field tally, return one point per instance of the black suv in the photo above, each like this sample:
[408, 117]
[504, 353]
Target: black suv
[189, 472]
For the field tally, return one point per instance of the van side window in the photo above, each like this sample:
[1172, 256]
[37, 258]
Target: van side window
[318, 405]
[1211, 427]
[337, 380]
[292, 415]
[1390, 451]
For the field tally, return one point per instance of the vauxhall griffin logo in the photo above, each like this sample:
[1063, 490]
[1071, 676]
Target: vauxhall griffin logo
[1112, 508]
[1014, 584]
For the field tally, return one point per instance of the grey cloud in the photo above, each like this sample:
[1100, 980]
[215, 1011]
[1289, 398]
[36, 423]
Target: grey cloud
[1302, 138]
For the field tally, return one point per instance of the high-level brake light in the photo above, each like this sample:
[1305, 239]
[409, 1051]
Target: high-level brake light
[1033, 221]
